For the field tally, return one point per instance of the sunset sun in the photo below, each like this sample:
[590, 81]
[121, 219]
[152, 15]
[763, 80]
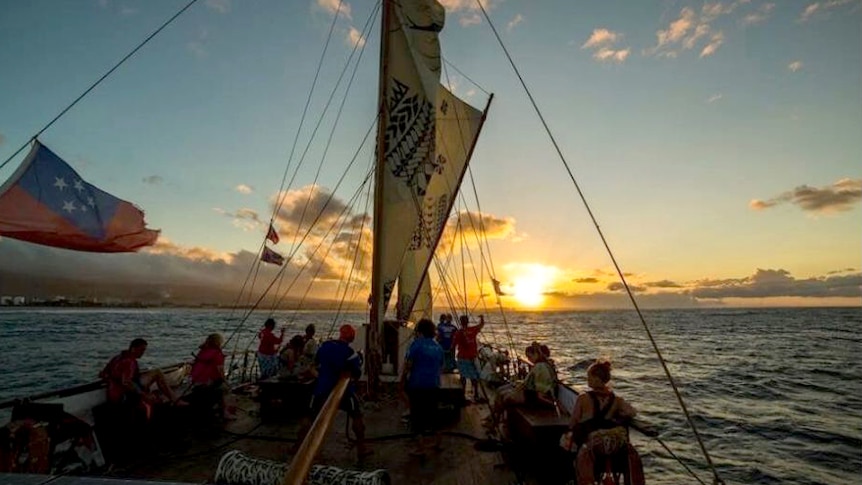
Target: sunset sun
[530, 283]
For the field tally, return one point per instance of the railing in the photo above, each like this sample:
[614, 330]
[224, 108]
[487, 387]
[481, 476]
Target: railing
[71, 391]
[301, 464]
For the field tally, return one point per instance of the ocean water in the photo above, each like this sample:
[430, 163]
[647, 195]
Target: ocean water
[775, 393]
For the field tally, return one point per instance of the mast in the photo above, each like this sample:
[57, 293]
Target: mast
[373, 342]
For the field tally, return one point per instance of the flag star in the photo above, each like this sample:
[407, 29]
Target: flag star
[60, 183]
[91, 202]
[79, 186]
[69, 206]
[83, 208]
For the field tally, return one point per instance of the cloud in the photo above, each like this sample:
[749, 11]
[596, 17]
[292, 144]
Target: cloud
[838, 197]
[618, 286]
[153, 180]
[714, 43]
[197, 46]
[244, 189]
[468, 11]
[354, 38]
[758, 16]
[601, 37]
[603, 40]
[517, 19]
[586, 280]
[694, 30]
[195, 253]
[779, 283]
[662, 284]
[842, 271]
[817, 8]
[333, 6]
[245, 219]
[607, 54]
[220, 6]
[128, 11]
[475, 227]
[795, 66]
[714, 98]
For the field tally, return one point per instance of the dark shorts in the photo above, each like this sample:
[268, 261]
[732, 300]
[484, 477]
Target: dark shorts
[350, 403]
[423, 409]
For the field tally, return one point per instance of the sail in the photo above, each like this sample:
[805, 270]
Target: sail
[423, 304]
[458, 126]
[406, 142]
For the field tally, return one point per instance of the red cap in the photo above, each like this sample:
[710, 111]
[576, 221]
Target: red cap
[346, 333]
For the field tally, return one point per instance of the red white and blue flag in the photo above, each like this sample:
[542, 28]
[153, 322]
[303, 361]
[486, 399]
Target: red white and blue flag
[270, 256]
[47, 202]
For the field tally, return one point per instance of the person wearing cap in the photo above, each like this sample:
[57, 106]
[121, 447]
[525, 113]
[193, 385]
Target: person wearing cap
[335, 357]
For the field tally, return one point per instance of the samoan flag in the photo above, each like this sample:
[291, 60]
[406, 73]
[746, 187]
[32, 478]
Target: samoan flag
[47, 202]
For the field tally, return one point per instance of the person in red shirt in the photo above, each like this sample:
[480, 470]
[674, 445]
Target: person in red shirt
[466, 350]
[127, 385]
[267, 351]
[207, 373]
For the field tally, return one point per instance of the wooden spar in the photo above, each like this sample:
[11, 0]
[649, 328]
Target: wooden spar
[301, 464]
[372, 336]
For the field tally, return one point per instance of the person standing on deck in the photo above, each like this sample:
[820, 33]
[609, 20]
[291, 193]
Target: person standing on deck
[445, 333]
[334, 358]
[421, 381]
[310, 345]
[267, 351]
[467, 349]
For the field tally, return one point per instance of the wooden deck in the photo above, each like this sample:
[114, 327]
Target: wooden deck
[192, 455]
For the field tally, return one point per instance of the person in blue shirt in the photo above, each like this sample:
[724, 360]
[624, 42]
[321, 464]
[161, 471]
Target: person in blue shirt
[334, 358]
[445, 333]
[421, 381]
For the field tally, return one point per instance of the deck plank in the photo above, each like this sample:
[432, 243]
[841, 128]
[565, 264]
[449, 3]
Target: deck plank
[388, 435]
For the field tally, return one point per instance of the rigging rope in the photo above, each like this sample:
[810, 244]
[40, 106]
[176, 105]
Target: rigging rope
[282, 197]
[583, 198]
[290, 256]
[99, 81]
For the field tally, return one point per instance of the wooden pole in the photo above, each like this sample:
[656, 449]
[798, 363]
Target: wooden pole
[301, 464]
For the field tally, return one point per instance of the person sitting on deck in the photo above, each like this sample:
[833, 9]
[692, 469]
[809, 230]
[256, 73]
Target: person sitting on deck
[267, 351]
[334, 358]
[445, 333]
[207, 375]
[467, 349]
[294, 366]
[128, 386]
[421, 381]
[598, 426]
[537, 389]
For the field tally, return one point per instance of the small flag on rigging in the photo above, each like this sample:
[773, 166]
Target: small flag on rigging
[272, 235]
[497, 289]
[47, 202]
[270, 256]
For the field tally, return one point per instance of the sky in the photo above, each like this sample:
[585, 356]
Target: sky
[717, 143]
